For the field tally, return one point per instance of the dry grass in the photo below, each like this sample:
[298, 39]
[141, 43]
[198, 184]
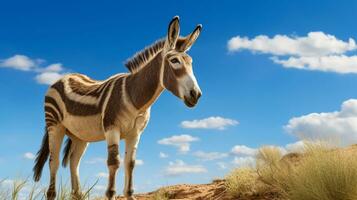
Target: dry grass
[24, 189]
[272, 170]
[161, 194]
[320, 173]
[324, 175]
[241, 182]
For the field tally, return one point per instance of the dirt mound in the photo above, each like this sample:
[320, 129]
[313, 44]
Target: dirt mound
[212, 191]
[217, 190]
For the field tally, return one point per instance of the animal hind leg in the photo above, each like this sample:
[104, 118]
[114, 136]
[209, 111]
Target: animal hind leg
[77, 150]
[55, 138]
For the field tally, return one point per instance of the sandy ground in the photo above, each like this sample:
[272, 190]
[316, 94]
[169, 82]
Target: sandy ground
[216, 189]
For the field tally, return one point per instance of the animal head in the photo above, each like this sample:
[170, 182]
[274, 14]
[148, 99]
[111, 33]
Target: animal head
[178, 76]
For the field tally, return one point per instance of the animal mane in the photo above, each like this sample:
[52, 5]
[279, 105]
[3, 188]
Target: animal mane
[141, 58]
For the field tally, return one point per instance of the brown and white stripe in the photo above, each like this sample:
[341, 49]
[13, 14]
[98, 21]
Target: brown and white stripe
[88, 110]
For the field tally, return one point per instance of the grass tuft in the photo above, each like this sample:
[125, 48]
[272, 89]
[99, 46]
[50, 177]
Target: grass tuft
[161, 194]
[241, 182]
[24, 189]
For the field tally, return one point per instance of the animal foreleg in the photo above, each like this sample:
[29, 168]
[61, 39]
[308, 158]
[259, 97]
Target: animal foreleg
[131, 145]
[113, 161]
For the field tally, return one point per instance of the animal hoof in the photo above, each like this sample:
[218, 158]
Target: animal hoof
[77, 196]
[110, 194]
[51, 195]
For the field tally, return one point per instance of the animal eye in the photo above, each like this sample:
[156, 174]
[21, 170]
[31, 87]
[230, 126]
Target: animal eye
[175, 60]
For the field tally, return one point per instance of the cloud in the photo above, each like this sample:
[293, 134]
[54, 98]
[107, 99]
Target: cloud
[102, 175]
[207, 156]
[314, 44]
[297, 147]
[333, 63]
[316, 51]
[29, 155]
[44, 75]
[222, 165]
[242, 150]
[95, 160]
[340, 126]
[139, 162]
[180, 168]
[57, 67]
[48, 78]
[19, 62]
[163, 155]
[247, 161]
[219, 123]
[182, 142]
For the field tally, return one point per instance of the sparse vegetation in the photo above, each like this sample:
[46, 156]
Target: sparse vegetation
[161, 194]
[324, 175]
[24, 189]
[241, 182]
[320, 173]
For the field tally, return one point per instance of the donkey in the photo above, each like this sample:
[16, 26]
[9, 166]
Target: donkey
[88, 110]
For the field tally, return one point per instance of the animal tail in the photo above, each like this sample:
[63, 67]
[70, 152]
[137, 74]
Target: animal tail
[41, 157]
[66, 152]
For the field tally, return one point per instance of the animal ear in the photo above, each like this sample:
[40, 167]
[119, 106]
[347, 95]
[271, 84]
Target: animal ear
[190, 39]
[174, 31]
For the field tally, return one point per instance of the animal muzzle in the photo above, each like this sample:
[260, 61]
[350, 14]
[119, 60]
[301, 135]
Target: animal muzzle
[192, 99]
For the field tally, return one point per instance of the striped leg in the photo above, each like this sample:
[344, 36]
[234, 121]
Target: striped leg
[55, 138]
[131, 145]
[112, 138]
[78, 148]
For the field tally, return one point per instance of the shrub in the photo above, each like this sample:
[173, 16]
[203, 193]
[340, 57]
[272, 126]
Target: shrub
[161, 194]
[241, 182]
[321, 173]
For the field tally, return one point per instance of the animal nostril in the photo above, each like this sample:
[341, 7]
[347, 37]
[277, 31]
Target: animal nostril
[193, 93]
[199, 95]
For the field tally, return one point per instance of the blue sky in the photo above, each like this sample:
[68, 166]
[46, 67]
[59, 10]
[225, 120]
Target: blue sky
[296, 79]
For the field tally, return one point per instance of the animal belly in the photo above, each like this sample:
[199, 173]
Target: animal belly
[88, 128]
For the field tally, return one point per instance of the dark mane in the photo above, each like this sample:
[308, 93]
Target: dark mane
[138, 61]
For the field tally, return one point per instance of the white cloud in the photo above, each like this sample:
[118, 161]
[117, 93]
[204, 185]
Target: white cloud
[339, 126]
[180, 168]
[95, 160]
[44, 75]
[139, 162]
[316, 51]
[207, 156]
[297, 147]
[182, 142]
[102, 175]
[100, 187]
[333, 63]
[219, 123]
[222, 165]
[57, 67]
[242, 150]
[247, 161]
[29, 155]
[163, 155]
[19, 62]
[314, 44]
[48, 78]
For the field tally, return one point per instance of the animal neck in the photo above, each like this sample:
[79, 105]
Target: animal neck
[144, 86]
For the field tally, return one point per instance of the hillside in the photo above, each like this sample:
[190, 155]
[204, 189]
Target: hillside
[218, 188]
